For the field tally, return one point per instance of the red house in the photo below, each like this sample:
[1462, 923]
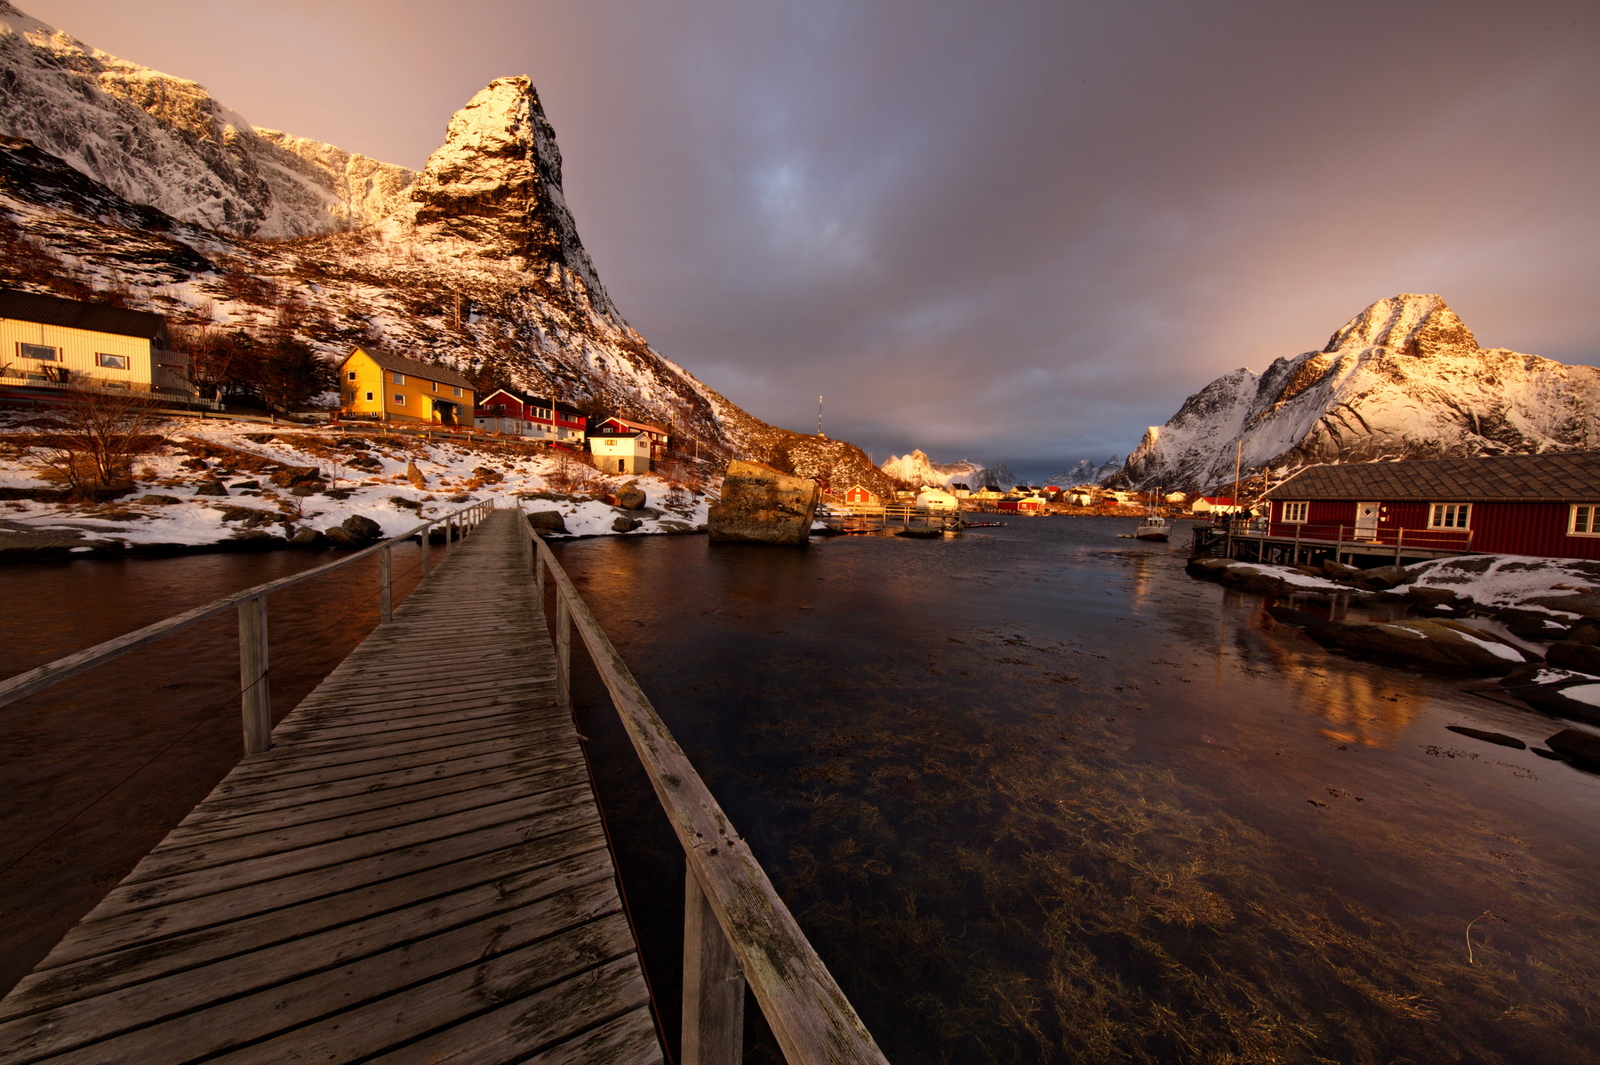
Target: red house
[514, 414]
[860, 497]
[1546, 505]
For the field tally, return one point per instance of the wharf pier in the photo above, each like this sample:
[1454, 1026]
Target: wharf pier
[1286, 544]
[412, 867]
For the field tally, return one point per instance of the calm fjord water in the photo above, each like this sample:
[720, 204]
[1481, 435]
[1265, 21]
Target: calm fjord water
[1038, 796]
[1035, 795]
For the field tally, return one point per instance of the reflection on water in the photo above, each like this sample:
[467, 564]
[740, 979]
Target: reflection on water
[1037, 796]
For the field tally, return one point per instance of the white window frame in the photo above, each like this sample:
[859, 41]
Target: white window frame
[1295, 513]
[33, 351]
[1450, 516]
[455, 390]
[352, 374]
[399, 378]
[1590, 513]
[369, 397]
[112, 362]
[399, 399]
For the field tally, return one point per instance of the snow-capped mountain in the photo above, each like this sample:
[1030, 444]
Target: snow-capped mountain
[1087, 471]
[1405, 378]
[117, 179]
[917, 469]
[163, 141]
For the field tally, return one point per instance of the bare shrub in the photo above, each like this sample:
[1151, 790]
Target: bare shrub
[101, 435]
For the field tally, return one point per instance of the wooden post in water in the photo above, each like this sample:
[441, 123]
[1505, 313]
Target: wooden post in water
[713, 985]
[386, 584]
[563, 650]
[1399, 539]
[254, 684]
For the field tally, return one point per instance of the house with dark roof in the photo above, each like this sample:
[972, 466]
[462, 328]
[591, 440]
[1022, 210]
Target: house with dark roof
[510, 413]
[1546, 505]
[378, 385]
[47, 342]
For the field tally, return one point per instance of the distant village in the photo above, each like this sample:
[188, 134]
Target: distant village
[1035, 500]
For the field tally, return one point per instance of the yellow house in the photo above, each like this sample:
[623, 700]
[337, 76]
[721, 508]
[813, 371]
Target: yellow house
[379, 386]
[50, 342]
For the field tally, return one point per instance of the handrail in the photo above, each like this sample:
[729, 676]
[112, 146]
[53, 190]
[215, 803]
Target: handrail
[252, 636]
[812, 1019]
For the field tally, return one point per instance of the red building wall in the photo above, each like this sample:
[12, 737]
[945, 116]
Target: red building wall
[1497, 528]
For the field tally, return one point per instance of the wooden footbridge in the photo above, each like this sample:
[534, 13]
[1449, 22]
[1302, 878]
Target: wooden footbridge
[412, 868]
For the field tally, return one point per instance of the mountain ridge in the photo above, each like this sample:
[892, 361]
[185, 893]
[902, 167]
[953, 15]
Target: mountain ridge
[1404, 378]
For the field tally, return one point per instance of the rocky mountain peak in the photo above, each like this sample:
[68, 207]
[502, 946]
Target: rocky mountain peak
[493, 189]
[1407, 324]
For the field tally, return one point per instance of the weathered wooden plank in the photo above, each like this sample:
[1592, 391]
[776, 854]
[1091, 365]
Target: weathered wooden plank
[554, 980]
[120, 920]
[307, 805]
[354, 773]
[323, 788]
[284, 842]
[267, 991]
[140, 891]
[524, 872]
[630, 1039]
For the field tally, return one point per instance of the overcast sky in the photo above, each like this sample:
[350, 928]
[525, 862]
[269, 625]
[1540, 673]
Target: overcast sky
[1010, 230]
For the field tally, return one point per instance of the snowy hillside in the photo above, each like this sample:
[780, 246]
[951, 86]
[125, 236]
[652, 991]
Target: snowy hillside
[120, 182]
[164, 142]
[1403, 379]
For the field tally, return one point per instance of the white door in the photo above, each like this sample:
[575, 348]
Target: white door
[1366, 521]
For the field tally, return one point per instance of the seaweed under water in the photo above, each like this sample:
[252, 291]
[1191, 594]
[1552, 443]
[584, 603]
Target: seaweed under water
[1039, 798]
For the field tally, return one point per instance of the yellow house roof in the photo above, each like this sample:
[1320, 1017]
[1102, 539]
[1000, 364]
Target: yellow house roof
[411, 367]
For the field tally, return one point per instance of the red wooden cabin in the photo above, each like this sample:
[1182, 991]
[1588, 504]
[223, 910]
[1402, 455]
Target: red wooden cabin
[1545, 505]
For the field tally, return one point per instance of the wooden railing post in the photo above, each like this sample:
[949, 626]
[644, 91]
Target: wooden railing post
[386, 584]
[255, 685]
[449, 533]
[427, 534]
[563, 649]
[713, 985]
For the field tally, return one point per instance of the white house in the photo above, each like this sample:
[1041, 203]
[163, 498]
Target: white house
[620, 450]
[936, 499]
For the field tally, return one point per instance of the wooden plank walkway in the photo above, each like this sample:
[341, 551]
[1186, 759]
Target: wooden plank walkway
[415, 873]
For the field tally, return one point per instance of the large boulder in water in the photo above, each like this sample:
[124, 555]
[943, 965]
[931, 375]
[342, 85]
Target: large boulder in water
[759, 505]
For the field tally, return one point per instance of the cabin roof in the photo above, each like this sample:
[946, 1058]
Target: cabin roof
[641, 426]
[388, 360]
[77, 314]
[1547, 478]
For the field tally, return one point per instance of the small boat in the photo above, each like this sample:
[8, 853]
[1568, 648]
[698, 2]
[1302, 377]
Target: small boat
[922, 534]
[1153, 527]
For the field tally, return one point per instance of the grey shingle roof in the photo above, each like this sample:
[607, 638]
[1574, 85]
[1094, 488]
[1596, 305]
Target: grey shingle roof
[76, 314]
[1549, 478]
[412, 368]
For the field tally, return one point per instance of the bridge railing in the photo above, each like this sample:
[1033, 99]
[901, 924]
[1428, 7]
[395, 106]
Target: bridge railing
[737, 929]
[254, 659]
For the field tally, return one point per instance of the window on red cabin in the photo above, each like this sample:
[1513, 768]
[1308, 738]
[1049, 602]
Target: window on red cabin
[1449, 515]
[1295, 512]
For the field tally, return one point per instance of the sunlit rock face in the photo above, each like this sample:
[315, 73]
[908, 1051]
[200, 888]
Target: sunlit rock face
[1405, 378]
[164, 142]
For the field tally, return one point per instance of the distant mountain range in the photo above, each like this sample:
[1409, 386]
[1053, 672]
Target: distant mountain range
[916, 469]
[1405, 378]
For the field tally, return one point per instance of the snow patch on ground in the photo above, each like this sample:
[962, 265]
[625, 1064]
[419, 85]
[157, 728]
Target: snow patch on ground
[1509, 580]
[449, 484]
